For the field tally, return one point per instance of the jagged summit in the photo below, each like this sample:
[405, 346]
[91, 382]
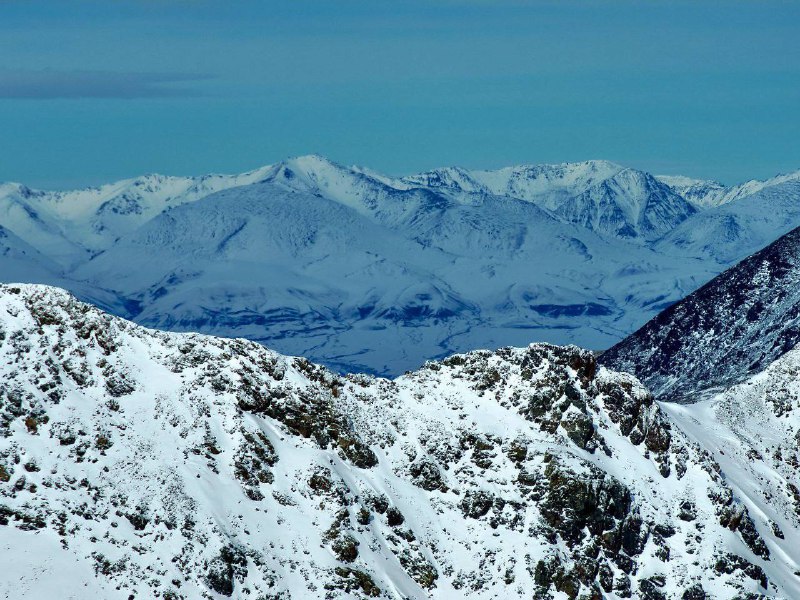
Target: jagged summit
[523, 181]
[630, 203]
[527, 182]
[454, 178]
[598, 195]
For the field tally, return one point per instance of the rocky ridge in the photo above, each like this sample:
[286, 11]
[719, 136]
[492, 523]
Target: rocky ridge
[734, 326]
[140, 463]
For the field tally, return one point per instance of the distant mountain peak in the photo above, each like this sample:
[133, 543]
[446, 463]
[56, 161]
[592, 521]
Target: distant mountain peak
[312, 161]
[313, 170]
[567, 171]
[455, 178]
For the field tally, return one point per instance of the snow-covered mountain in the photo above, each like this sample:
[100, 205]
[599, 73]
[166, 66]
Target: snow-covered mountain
[364, 271]
[705, 193]
[383, 283]
[66, 225]
[700, 193]
[736, 324]
[738, 228]
[547, 185]
[599, 195]
[141, 463]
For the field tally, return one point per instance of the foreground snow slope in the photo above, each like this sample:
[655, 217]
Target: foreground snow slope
[137, 462]
[367, 272]
[752, 430]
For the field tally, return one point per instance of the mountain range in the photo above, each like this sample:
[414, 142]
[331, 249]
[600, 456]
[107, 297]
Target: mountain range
[366, 272]
[138, 462]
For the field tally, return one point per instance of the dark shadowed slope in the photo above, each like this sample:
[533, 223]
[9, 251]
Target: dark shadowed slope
[735, 325]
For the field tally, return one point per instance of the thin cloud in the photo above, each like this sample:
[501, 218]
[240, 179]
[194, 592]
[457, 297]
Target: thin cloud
[48, 84]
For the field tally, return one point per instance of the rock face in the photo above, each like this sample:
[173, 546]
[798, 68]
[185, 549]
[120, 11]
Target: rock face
[148, 464]
[607, 207]
[735, 325]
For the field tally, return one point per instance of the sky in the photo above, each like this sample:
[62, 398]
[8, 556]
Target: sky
[94, 91]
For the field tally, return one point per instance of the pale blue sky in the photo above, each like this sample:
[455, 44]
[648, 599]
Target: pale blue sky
[95, 91]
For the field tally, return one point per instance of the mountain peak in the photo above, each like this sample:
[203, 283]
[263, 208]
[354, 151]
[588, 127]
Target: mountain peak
[312, 160]
[456, 178]
[569, 170]
[309, 170]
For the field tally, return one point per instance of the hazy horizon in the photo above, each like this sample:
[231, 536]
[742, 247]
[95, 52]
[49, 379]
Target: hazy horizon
[108, 91]
[100, 182]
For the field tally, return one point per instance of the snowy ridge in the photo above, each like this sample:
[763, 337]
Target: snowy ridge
[750, 223]
[599, 195]
[93, 218]
[706, 194]
[140, 462]
[545, 183]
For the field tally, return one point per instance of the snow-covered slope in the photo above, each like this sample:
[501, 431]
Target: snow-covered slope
[736, 324]
[363, 271]
[137, 462]
[22, 262]
[737, 229]
[21, 213]
[752, 430]
[705, 193]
